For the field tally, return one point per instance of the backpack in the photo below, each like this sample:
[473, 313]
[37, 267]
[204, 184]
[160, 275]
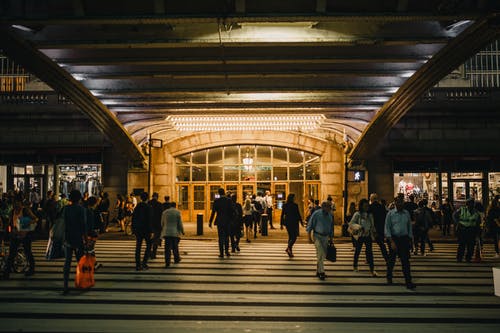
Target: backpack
[258, 207]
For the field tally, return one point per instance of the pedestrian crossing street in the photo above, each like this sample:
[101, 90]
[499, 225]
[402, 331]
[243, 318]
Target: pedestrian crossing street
[257, 290]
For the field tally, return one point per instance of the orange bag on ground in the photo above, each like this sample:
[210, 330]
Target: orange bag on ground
[85, 272]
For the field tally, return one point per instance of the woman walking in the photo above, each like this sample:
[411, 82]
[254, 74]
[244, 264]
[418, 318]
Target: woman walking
[363, 220]
[290, 218]
[248, 210]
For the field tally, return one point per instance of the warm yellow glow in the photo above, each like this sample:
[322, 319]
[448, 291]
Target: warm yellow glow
[200, 123]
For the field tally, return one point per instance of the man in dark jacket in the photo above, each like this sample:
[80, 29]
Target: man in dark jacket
[75, 229]
[141, 227]
[379, 213]
[157, 210]
[223, 207]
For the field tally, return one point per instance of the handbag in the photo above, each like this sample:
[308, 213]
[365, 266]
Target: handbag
[331, 252]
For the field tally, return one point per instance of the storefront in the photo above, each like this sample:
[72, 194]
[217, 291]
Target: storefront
[44, 177]
[245, 170]
[459, 186]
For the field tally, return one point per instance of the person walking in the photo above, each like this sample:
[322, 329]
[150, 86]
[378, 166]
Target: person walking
[379, 213]
[468, 221]
[142, 227]
[248, 211]
[21, 233]
[290, 218]
[363, 220]
[75, 230]
[493, 223]
[157, 210]
[172, 229]
[423, 222]
[320, 226]
[236, 224]
[269, 208]
[398, 231]
[223, 209]
[103, 209]
[347, 218]
[447, 210]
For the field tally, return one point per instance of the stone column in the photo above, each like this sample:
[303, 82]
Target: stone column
[332, 173]
[163, 173]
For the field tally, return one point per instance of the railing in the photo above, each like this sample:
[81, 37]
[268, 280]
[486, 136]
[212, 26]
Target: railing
[33, 98]
[461, 94]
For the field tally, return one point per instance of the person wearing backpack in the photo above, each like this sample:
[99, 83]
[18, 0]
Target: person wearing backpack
[236, 225]
[257, 214]
[423, 222]
[21, 215]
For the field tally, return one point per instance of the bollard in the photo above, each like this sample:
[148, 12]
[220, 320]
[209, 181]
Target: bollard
[199, 224]
[263, 224]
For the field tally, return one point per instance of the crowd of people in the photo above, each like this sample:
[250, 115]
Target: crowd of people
[400, 229]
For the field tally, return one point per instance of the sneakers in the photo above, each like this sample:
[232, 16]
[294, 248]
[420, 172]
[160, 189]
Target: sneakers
[355, 269]
[374, 274]
[321, 276]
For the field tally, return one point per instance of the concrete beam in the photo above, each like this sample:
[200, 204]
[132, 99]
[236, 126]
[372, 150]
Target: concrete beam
[469, 42]
[61, 81]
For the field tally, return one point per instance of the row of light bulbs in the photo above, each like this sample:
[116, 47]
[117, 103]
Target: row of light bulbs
[246, 122]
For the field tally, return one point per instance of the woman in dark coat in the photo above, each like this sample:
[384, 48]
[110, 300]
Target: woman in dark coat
[290, 218]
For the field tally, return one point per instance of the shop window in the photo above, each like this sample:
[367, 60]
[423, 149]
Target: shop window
[420, 185]
[199, 173]
[19, 170]
[82, 177]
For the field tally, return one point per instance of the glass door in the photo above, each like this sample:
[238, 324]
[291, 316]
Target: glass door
[233, 189]
[199, 200]
[214, 189]
[183, 202]
[247, 190]
[279, 194]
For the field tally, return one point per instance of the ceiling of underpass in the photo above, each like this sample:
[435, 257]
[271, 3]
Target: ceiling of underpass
[142, 67]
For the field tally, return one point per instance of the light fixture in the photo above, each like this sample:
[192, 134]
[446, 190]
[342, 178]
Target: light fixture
[283, 122]
[248, 162]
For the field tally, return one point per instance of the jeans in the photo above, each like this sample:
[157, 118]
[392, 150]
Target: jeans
[403, 251]
[383, 247]
[367, 240]
[466, 241]
[270, 217]
[139, 238]
[321, 244]
[235, 236]
[171, 245]
[67, 262]
[223, 232]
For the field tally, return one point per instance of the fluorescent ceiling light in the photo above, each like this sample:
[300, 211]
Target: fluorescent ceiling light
[200, 123]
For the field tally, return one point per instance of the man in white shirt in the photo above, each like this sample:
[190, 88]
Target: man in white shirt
[269, 205]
